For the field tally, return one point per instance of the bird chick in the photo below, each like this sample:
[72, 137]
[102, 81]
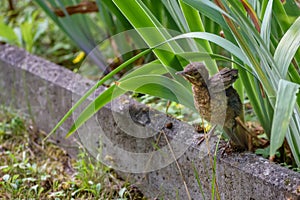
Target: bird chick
[216, 100]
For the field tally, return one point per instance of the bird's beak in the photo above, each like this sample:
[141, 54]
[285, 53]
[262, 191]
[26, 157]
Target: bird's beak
[181, 73]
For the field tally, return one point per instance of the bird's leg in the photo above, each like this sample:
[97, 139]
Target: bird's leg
[168, 106]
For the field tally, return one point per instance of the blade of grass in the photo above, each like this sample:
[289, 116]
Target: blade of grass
[154, 67]
[282, 17]
[177, 15]
[160, 86]
[202, 56]
[196, 174]
[266, 24]
[105, 97]
[293, 137]
[210, 10]
[7, 34]
[109, 5]
[287, 48]
[214, 167]
[284, 107]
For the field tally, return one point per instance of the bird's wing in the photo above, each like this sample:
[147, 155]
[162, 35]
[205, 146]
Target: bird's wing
[222, 80]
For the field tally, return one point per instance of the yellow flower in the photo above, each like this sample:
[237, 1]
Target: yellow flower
[79, 57]
[207, 127]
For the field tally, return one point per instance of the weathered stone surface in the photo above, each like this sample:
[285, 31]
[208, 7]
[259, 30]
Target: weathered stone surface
[45, 92]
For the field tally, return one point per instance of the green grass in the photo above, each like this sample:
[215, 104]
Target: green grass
[30, 169]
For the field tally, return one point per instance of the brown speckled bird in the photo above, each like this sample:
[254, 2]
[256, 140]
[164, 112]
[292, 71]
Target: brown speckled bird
[216, 100]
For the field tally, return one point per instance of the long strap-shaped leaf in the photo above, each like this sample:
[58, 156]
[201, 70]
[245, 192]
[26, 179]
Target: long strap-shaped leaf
[283, 112]
[160, 86]
[293, 136]
[287, 48]
[266, 24]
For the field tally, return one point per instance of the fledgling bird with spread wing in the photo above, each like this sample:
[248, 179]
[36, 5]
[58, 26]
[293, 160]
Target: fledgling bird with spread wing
[216, 100]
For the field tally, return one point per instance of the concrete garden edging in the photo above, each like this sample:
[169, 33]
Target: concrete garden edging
[45, 92]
